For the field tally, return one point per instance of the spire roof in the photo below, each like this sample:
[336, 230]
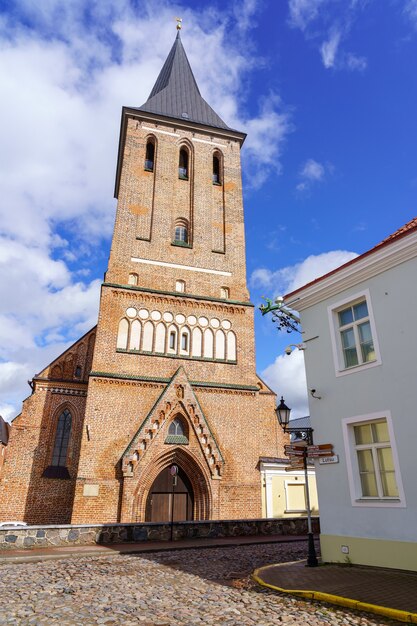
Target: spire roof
[176, 93]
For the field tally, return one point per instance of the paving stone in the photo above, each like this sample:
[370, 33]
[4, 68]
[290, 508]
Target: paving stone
[206, 587]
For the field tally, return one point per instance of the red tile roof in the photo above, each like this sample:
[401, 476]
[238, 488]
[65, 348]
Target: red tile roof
[409, 227]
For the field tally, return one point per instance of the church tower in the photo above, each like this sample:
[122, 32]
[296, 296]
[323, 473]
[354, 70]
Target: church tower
[173, 380]
[173, 386]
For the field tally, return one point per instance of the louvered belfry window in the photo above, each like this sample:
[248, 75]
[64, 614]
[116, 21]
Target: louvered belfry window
[216, 170]
[150, 156]
[183, 164]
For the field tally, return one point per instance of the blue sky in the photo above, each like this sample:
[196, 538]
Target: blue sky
[325, 89]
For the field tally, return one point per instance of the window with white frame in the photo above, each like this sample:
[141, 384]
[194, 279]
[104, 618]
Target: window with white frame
[184, 342]
[356, 334]
[172, 344]
[295, 497]
[353, 334]
[372, 461]
[375, 461]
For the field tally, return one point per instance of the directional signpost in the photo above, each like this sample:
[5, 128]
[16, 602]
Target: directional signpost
[324, 449]
[299, 452]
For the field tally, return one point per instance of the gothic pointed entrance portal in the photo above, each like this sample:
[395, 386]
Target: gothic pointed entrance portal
[171, 498]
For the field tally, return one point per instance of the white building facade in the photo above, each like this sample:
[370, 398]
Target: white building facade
[360, 328]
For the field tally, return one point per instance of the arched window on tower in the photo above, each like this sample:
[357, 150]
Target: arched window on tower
[183, 164]
[133, 279]
[185, 341]
[172, 339]
[181, 231]
[216, 170]
[150, 155]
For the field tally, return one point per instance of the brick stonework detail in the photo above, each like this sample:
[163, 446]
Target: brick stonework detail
[24, 493]
[122, 412]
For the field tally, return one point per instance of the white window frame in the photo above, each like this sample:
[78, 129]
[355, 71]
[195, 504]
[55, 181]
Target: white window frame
[335, 335]
[287, 485]
[172, 330]
[352, 464]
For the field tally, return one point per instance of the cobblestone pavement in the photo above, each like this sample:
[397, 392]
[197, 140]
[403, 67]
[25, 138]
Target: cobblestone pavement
[205, 587]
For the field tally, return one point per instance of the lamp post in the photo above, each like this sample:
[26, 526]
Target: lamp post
[283, 414]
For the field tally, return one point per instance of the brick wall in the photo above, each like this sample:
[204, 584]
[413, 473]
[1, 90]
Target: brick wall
[228, 410]
[25, 494]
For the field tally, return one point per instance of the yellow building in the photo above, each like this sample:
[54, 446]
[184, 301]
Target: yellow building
[284, 492]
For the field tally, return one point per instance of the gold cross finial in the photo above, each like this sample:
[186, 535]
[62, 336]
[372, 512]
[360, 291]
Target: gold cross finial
[179, 23]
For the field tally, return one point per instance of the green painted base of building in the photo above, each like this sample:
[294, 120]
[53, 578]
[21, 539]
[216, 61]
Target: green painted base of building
[366, 551]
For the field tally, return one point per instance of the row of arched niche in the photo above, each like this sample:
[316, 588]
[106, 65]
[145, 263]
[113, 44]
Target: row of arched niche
[188, 337]
[183, 161]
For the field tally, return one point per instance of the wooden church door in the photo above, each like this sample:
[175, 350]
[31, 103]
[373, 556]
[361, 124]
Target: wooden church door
[171, 498]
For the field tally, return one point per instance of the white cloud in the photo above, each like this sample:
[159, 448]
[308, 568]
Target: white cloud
[65, 77]
[43, 311]
[76, 86]
[328, 49]
[7, 411]
[354, 62]
[328, 24]
[266, 137]
[410, 10]
[8, 373]
[286, 279]
[244, 13]
[286, 376]
[311, 172]
[302, 12]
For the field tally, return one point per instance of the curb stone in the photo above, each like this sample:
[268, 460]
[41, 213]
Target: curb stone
[396, 614]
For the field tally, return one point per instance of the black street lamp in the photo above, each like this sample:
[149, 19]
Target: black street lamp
[283, 414]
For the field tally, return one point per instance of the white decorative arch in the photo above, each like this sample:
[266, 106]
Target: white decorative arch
[135, 333]
[122, 334]
[160, 335]
[220, 346]
[197, 342]
[231, 346]
[147, 341]
[208, 343]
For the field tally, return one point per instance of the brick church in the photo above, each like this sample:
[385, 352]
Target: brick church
[157, 412]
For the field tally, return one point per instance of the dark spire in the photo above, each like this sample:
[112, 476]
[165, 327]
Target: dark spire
[176, 94]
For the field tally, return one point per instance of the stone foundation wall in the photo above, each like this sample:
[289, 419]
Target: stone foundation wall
[91, 534]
